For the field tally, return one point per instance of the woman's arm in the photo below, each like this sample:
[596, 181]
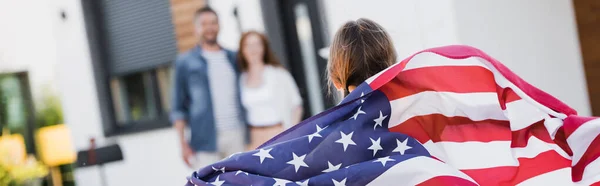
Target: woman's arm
[297, 114]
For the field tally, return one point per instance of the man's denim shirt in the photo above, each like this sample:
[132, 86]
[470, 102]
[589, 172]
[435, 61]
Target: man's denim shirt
[191, 99]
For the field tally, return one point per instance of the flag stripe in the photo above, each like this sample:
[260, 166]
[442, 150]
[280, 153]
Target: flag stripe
[418, 170]
[527, 168]
[555, 177]
[442, 59]
[437, 127]
[476, 106]
[589, 156]
[441, 79]
[477, 155]
[582, 138]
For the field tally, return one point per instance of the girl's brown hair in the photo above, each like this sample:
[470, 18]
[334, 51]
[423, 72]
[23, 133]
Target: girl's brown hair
[268, 56]
[360, 49]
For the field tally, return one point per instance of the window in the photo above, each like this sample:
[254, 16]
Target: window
[141, 96]
[16, 113]
[132, 46]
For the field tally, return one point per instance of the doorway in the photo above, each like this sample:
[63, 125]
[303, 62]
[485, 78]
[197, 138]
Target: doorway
[587, 13]
[296, 29]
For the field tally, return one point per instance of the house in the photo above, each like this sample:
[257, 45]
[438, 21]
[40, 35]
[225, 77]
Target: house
[110, 60]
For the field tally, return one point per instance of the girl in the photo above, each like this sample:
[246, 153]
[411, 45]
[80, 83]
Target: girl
[360, 49]
[269, 93]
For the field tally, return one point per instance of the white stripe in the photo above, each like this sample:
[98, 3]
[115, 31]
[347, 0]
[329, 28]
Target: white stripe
[477, 155]
[429, 59]
[433, 60]
[556, 177]
[476, 106]
[591, 173]
[417, 170]
[522, 114]
[536, 146]
[582, 137]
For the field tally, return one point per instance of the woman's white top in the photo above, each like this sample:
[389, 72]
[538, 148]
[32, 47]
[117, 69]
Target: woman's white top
[273, 101]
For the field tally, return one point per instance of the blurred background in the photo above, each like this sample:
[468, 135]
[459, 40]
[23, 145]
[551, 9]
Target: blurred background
[85, 84]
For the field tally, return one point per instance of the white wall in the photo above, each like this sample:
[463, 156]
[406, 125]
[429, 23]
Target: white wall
[413, 25]
[151, 158]
[250, 16]
[27, 42]
[537, 39]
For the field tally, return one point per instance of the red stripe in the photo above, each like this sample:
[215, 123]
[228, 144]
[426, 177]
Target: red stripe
[591, 154]
[538, 129]
[528, 168]
[595, 184]
[441, 79]
[445, 180]
[506, 95]
[437, 127]
[462, 52]
[572, 123]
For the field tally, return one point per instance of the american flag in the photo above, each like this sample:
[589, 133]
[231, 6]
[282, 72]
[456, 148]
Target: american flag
[444, 116]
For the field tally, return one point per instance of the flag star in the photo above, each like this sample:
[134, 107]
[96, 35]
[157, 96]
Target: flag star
[384, 160]
[361, 95]
[280, 182]
[222, 169]
[402, 146]
[263, 154]
[346, 140]
[316, 134]
[218, 182]
[339, 183]
[375, 145]
[241, 172]
[332, 167]
[379, 121]
[358, 112]
[298, 161]
[304, 183]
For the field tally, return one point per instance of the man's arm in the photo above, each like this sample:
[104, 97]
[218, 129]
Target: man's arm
[179, 112]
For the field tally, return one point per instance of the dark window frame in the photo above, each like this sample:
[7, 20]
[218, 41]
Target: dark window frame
[30, 113]
[97, 43]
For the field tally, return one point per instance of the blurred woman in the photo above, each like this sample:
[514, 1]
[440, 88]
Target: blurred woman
[269, 93]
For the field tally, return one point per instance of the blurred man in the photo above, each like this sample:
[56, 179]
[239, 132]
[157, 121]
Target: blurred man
[206, 97]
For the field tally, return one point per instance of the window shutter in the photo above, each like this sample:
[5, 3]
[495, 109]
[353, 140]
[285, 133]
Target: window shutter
[139, 34]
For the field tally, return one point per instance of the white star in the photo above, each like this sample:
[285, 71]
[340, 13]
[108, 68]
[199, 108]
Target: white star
[280, 182]
[304, 183]
[346, 140]
[218, 182]
[263, 154]
[339, 183]
[376, 145]
[316, 134]
[241, 172]
[379, 121]
[358, 112]
[298, 161]
[222, 169]
[361, 95]
[384, 160]
[332, 167]
[402, 146]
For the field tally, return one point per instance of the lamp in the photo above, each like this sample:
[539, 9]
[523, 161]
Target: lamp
[55, 148]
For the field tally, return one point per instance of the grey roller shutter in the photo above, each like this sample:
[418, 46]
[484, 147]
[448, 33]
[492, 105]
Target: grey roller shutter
[139, 34]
